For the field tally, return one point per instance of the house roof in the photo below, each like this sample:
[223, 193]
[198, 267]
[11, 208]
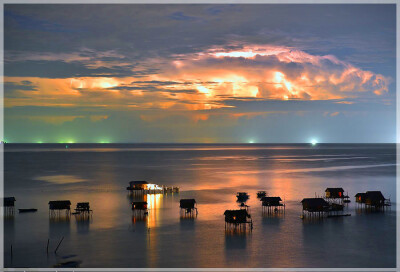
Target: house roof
[315, 202]
[360, 194]
[60, 202]
[237, 213]
[334, 190]
[138, 182]
[187, 201]
[374, 195]
[271, 198]
[9, 199]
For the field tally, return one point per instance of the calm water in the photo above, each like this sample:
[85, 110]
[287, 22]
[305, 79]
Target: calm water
[212, 174]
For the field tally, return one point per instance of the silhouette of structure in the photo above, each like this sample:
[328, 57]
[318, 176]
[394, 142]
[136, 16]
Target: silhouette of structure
[261, 194]
[314, 207]
[188, 206]
[58, 207]
[139, 208]
[9, 206]
[242, 197]
[272, 204]
[372, 200]
[237, 220]
[83, 208]
[335, 194]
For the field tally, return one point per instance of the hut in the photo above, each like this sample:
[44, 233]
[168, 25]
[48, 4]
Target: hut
[56, 207]
[375, 199]
[9, 204]
[314, 207]
[242, 197]
[139, 207]
[272, 204]
[360, 198]
[237, 219]
[188, 206]
[261, 194]
[83, 208]
[372, 199]
[137, 185]
[332, 194]
[143, 187]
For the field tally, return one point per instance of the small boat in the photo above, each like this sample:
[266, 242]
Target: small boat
[27, 210]
[69, 264]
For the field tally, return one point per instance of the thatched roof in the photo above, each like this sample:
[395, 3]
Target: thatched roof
[374, 195]
[360, 194]
[138, 182]
[59, 204]
[334, 190]
[314, 204]
[271, 199]
[236, 216]
[9, 201]
[187, 203]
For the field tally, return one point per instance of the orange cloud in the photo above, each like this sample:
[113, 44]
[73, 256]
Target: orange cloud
[206, 80]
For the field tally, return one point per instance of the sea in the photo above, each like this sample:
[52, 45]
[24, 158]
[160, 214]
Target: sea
[116, 237]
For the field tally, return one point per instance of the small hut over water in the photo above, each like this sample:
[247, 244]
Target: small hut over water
[143, 187]
[360, 198]
[372, 199]
[139, 207]
[237, 219]
[57, 207]
[9, 205]
[188, 206]
[314, 207]
[83, 208]
[333, 194]
[272, 204]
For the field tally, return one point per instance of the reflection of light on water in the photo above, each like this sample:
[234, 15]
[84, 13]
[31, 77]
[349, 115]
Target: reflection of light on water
[60, 179]
[153, 204]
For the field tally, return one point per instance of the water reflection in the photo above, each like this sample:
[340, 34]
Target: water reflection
[83, 222]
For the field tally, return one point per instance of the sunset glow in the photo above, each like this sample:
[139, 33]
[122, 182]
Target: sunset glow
[216, 81]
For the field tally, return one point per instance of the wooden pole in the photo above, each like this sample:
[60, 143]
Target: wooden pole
[47, 248]
[11, 252]
[55, 251]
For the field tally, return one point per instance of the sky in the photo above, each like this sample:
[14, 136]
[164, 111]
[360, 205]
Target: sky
[186, 73]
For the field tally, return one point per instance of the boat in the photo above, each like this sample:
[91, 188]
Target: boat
[27, 210]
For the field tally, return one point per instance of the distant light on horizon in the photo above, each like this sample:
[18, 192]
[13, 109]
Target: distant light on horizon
[251, 141]
[314, 142]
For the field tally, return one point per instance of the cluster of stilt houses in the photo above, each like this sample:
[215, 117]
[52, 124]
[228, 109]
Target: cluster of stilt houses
[332, 204]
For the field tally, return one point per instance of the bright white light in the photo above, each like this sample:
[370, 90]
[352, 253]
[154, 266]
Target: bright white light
[251, 141]
[314, 142]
